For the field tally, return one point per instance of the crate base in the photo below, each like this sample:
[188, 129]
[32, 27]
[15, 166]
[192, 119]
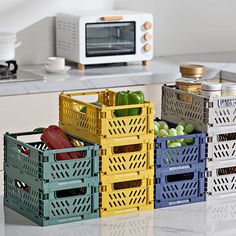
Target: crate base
[126, 211]
[14, 206]
[158, 204]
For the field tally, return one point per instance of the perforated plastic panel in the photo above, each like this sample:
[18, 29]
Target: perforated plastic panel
[126, 194]
[135, 156]
[205, 113]
[221, 144]
[53, 204]
[179, 156]
[221, 179]
[42, 162]
[182, 185]
[99, 124]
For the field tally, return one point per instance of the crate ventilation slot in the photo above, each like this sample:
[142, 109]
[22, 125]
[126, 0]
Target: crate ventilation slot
[180, 177]
[127, 184]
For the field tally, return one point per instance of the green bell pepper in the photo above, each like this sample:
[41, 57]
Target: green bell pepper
[84, 109]
[128, 98]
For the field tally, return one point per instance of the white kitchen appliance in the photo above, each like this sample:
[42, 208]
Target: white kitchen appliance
[116, 36]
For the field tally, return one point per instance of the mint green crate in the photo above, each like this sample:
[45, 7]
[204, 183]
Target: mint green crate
[50, 203]
[41, 162]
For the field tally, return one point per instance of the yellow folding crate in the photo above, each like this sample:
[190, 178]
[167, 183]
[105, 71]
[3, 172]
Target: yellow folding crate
[99, 124]
[131, 155]
[123, 194]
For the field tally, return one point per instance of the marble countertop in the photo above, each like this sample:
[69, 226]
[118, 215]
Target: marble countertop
[161, 70]
[213, 218]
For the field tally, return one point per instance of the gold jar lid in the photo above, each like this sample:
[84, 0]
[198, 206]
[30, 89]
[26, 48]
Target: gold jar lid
[192, 71]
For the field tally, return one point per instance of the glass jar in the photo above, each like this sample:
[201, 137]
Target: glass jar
[228, 89]
[211, 89]
[190, 81]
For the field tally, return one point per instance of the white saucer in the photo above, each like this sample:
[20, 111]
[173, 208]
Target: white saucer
[56, 71]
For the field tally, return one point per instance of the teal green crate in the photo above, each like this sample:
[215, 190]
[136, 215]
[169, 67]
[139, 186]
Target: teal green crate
[48, 203]
[41, 162]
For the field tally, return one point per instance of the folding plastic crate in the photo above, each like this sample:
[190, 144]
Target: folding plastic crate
[205, 113]
[179, 185]
[128, 193]
[221, 144]
[99, 124]
[41, 162]
[128, 156]
[178, 156]
[221, 179]
[50, 203]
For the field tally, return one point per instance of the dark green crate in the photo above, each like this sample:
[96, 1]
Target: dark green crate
[42, 162]
[45, 203]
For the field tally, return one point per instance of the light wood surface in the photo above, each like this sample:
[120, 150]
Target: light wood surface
[111, 18]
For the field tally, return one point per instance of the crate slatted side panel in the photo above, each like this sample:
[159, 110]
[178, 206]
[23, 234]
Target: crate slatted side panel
[179, 186]
[221, 179]
[221, 144]
[42, 162]
[185, 155]
[64, 203]
[206, 114]
[126, 194]
[135, 156]
[98, 124]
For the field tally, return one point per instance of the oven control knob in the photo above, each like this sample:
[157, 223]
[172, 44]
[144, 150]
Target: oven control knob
[147, 47]
[147, 36]
[147, 25]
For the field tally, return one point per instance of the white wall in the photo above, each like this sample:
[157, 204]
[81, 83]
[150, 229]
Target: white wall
[34, 23]
[189, 26]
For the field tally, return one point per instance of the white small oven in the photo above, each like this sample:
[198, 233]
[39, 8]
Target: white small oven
[116, 36]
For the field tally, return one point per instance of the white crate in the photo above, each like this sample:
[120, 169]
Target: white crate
[221, 180]
[221, 144]
[206, 114]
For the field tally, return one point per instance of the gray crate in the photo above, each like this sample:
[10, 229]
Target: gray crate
[207, 114]
[221, 144]
[221, 180]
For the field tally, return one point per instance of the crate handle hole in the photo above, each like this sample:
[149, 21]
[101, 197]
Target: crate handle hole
[227, 171]
[180, 177]
[226, 137]
[127, 184]
[71, 192]
[127, 148]
[23, 150]
[21, 185]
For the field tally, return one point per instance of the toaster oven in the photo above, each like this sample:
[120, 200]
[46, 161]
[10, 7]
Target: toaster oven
[117, 36]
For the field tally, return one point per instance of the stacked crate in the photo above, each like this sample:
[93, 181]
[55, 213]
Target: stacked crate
[126, 148]
[217, 117]
[179, 171]
[45, 190]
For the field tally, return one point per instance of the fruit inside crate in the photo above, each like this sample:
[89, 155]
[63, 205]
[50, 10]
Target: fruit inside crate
[192, 153]
[99, 123]
[27, 152]
[50, 203]
[179, 185]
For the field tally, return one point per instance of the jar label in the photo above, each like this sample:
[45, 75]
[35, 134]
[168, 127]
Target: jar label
[227, 102]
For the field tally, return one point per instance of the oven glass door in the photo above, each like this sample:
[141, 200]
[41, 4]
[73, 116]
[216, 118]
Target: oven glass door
[110, 39]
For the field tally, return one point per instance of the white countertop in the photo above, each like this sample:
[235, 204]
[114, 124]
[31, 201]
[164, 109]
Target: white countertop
[161, 70]
[206, 218]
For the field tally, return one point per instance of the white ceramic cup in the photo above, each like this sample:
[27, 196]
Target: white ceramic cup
[55, 63]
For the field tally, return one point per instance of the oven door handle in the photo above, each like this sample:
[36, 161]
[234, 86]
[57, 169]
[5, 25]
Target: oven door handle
[111, 18]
